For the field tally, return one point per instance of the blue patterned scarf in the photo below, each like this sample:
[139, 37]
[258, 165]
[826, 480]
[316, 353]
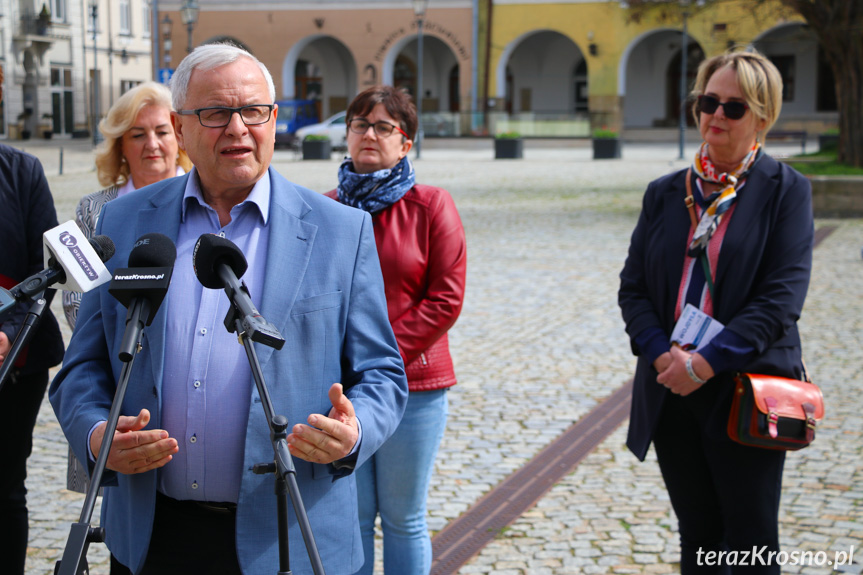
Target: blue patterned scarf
[375, 191]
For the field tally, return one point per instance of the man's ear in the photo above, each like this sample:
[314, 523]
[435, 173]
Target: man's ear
[178, 130]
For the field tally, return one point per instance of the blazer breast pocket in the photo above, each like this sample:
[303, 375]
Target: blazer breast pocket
[317, 303]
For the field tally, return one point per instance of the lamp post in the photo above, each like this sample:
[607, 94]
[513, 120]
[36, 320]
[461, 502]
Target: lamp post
[94, 82]
[189, 15]
[683, 71]
[167, 28]
[420, 12]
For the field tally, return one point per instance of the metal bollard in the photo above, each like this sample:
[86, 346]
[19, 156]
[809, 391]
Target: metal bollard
[61, 160]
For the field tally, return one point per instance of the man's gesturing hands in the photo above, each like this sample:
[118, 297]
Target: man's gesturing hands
[134, 450]
[327, 439]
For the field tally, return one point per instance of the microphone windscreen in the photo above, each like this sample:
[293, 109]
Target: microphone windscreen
[153, 250]
[210, 251]
[104, 247]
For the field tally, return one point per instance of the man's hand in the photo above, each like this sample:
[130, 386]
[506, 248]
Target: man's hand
[327, 439]
[5, 346]
[134, 450]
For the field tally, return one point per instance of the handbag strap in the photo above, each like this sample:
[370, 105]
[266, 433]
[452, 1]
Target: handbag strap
[689, 200]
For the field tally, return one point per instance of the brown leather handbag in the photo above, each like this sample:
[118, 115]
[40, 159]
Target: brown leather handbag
[774, 412]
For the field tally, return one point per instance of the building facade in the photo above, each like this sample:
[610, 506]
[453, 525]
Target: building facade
[544, 68]
[54, 52]
[555, 68]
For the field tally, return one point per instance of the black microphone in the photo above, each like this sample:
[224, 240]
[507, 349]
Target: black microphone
[142, 286]
[151, 263]
[218, 263]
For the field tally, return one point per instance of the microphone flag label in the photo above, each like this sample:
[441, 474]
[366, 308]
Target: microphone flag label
[71, 243]
[68, 245]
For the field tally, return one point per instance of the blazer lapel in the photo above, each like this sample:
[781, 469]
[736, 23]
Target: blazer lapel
[162, 216]
[288, 254]
[759, 188]
[676, 222]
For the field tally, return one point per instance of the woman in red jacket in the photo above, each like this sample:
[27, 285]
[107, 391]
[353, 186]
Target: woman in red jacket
[421, 245]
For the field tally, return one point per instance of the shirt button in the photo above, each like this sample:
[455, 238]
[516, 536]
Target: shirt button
[195, 485]
[197, 384]
[203, 331]
[193, 439]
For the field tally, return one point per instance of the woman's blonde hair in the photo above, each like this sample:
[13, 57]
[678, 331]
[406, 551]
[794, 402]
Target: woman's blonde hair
[110, 165]
[758, 78]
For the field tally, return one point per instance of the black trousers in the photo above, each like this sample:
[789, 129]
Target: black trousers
[725, 495]
[20, 400]
[190, 537]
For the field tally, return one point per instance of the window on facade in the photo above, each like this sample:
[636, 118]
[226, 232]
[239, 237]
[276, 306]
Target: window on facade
[125, 17]
[126, 85]
[62, 99]
[58, 10]
[146, 16]
[785, 65]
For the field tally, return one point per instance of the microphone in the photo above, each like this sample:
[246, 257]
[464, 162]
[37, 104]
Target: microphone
[151, 263]
[71, 261]
[80, 258]
[142, 286]
[218, 263]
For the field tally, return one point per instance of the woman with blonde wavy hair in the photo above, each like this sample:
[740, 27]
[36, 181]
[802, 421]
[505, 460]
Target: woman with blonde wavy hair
[139, 149]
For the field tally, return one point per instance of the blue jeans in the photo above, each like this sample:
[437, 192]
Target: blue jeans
[394, 482]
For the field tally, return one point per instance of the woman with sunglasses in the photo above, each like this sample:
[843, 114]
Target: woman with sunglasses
[422, 250]
[731, 236]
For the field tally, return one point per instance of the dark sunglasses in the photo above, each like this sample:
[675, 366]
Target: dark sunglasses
[733, 110]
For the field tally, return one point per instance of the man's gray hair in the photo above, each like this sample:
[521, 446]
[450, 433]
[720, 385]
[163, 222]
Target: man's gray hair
[208, 57]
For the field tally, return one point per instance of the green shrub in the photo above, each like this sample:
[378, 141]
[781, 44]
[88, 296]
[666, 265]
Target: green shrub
[604, 134]
[316, 138]
[508, 136]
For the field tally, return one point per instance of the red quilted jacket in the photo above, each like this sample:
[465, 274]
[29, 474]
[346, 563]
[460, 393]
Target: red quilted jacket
[422, 249]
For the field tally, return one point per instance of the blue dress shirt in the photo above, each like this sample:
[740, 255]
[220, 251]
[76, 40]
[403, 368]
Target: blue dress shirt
[208, 382]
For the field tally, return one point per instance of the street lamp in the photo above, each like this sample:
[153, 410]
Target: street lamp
[167, 28]
[420, 7]
[94, 82]
[189, 15]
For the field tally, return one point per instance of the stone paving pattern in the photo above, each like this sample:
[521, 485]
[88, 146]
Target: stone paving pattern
[539, 343]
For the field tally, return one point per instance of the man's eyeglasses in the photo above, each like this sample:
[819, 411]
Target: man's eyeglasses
[733, 110]
[382, 129]
[220, 116]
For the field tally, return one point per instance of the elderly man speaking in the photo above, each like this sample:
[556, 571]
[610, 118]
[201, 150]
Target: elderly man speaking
[180, 493]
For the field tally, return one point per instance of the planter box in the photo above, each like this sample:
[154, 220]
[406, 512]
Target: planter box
[508, 148]
[317, 149]
[606, 148]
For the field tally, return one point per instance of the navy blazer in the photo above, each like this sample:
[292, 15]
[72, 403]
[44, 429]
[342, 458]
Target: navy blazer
[28, 212]
[761, 281]
[324, 292]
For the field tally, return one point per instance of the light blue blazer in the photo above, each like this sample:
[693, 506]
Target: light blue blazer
[324, 292]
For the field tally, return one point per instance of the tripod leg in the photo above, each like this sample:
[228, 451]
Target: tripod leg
[284, 546]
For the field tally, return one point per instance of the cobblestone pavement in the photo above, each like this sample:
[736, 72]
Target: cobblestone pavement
[539, 343]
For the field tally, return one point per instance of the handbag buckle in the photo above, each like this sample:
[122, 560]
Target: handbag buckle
[772, 417]
[809, 409]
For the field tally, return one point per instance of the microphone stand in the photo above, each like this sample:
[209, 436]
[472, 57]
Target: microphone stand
[31, 322]
[74, 561]
[283, 465]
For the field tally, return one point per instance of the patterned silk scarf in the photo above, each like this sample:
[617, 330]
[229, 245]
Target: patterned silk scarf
[718, 202]
[375, 191]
